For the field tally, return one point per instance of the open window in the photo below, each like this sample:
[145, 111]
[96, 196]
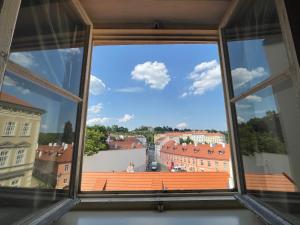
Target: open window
[156, 121]
[130, 131]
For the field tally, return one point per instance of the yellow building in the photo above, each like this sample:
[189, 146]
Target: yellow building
[19, 132]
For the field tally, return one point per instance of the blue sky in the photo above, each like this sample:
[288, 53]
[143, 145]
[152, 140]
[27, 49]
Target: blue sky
[153, 85]
[164, 90]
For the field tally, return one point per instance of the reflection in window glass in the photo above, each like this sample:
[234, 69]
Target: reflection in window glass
[268, 127]
[49, 145]
[37, 124]
[153, 117]
[255, 52]
[48, 41]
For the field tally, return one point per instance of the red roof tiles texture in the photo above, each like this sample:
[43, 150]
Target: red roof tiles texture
[158, 181]
[270, 182]
[217, 152]
[127, 143]
[55, 153]
[13, 100]
[155, 181]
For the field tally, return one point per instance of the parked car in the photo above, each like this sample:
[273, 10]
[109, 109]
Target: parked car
[154, 166]
[177, 169]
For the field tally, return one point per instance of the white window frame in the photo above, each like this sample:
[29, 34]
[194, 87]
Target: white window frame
[25, 132]
[18, 160]
[66, 167]
[6, 158]
[12, 132]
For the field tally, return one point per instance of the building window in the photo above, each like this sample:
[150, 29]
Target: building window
[25, 130]
[66, 168]
[208, 163]
[15, 182]
[9, 129]
[201, 162]
[225, 165]
[20, 156]
[3, 158]
[65, 180]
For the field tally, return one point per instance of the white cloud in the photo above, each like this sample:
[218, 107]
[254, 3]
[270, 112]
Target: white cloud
[126, 118]
[24, 91]
[95, 108]
[154, 74]
[254, 98]
[184, 94]
[9, 82]
[97, 121]
[241, 76]
[12, 83]
[96, 85]
[73, 51]
[24, 59]
[205, 76]
[182, 125]
[242, 106]
[130, 90]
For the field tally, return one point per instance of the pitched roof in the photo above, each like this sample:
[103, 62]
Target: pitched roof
[270, 182]
[55, 153]
[158, 181]
[216, 152]
[155, 181]
[12, 100]
[127, 143]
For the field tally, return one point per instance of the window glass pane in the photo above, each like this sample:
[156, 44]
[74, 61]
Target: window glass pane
[268, 128]
[153, 117]
[48, 145]
[255, 45]
[37, 124]
[48, 41]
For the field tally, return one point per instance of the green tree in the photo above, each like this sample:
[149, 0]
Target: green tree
[95, 140]
[67, 136]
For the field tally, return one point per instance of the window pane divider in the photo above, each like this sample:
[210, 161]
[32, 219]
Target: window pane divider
[262, 85]
[8, 17]
[25, 73]
[261, 210]
[51, 213]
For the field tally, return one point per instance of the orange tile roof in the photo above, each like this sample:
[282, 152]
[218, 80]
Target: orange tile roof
[127, 143]
[138, 181]
[158, 181]
[270, 182]
[55, 153]
[198, 151]
[6, 98]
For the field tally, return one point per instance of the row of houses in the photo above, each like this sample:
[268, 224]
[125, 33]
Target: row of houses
[196, 157]
[197, 136]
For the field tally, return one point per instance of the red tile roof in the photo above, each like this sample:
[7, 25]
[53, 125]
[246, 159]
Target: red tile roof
[199, 151]
[138, 181]
[270, 182]
[55, 153]
[127, 143]
[6, 98]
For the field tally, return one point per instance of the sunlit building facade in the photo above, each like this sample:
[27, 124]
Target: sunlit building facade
[19, 127]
